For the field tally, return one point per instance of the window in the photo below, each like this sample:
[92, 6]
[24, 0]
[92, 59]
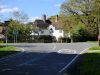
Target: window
[51, 30]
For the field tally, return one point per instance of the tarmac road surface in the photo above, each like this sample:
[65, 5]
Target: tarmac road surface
[42, 58]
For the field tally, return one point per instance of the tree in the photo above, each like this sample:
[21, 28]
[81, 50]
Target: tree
[68, 22]
[24, 32]
[20, 16]
[84, 11]
[97, 13]
[79, 33]
[15, 28]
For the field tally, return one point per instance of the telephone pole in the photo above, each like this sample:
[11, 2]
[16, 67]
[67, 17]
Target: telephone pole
[98, 24]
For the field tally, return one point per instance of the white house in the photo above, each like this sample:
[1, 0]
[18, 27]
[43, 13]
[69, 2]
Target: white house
[46, 27]
[57, 33]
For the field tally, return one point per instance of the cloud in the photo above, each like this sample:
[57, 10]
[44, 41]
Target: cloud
[6, 9]
[57, 5]
[36, 17]
[2, 6]
[31, 19]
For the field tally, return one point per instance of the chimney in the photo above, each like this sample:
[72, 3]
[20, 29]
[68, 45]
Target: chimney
[56, 20]
[44, 18]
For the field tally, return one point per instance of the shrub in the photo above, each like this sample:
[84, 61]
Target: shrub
[1, 41]
[80, 34]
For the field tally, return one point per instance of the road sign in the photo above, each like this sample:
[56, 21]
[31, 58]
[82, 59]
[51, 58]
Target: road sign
[15, 32]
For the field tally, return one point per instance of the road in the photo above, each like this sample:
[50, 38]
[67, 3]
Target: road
[42, 58]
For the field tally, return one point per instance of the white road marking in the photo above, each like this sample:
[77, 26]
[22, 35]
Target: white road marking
[22, 49]
[72, 61]
[67, 51]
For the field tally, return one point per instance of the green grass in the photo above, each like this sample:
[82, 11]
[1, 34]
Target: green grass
[90, 64]
[92, 41]
[95, 48]
[7, 50]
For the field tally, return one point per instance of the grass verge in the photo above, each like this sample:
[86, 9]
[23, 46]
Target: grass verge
[95, 48]
[88, 64]
[7, 50]
[92, 41]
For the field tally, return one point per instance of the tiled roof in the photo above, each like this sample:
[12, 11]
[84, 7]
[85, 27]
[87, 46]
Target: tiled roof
[57, 25]
[41, 23]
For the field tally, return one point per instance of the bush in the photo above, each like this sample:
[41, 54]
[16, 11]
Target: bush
[43, 39]
[1, 41]
[80, 34]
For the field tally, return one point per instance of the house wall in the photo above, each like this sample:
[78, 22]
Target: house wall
[58, 33]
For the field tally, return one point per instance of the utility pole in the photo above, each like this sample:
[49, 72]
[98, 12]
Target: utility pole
[98, 29]
[15, 33]
[6, 34]
[98, 25]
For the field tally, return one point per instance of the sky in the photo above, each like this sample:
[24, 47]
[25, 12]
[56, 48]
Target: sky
[33, 8]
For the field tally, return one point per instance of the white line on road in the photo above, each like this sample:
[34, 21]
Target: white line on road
[72, 61]
[22, 49]
[66, 51]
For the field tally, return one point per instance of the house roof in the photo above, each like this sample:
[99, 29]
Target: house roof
[42, 24]
[45, 23]
[57, 25]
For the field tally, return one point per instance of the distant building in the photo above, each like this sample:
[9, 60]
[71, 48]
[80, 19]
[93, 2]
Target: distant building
[46, 27]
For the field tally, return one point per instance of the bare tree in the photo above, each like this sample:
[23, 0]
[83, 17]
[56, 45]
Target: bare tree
[20, 16]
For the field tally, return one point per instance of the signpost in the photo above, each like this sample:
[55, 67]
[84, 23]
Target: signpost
[6, 33]
[15, 33]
